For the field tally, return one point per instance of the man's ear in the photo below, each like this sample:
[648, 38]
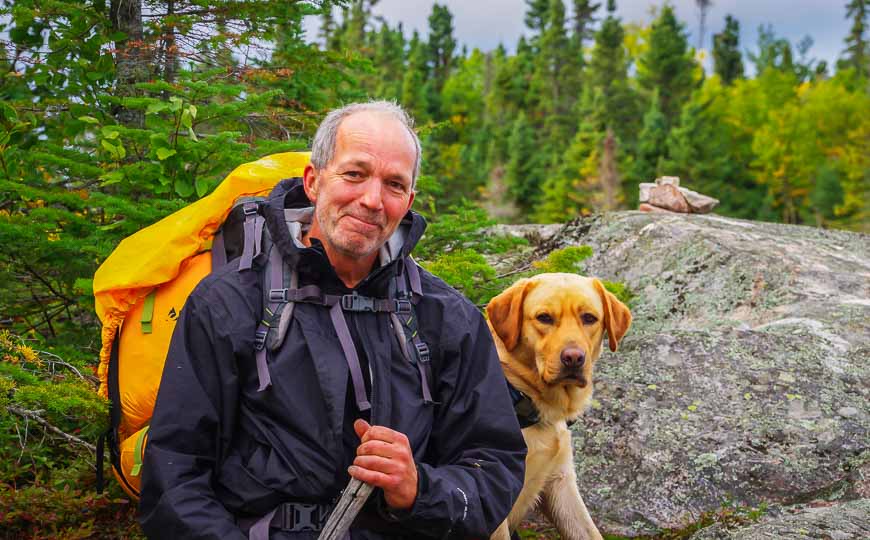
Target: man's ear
[617, 317]
[505, 312]
[309, 182]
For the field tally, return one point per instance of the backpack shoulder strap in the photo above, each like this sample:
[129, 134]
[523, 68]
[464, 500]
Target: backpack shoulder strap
[407, 329]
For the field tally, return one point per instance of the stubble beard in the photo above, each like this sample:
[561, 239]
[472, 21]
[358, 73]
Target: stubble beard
[342, 243]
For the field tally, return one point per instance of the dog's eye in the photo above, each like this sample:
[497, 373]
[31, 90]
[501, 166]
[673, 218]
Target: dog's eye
[589, 318]
[545, 318]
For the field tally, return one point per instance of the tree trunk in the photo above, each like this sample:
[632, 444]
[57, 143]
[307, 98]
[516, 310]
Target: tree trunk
[609, 174]
[170, 68]
[130, 59]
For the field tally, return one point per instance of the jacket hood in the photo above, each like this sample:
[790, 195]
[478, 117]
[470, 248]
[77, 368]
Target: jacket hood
[288, 208]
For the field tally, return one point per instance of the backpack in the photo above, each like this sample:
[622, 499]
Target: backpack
[141, 288]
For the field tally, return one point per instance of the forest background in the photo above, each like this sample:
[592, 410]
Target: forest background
[116, 113]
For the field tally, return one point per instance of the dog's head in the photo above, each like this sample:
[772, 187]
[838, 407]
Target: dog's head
[558, 322]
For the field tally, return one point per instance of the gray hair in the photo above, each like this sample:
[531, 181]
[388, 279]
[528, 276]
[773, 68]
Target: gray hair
[323, 147]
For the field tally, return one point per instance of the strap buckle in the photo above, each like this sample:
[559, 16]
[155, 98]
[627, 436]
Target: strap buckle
[422, 351]
[355, 302]
[249, 209]
[298, 517]
[403, 306]
[278, 295]
[260, 339]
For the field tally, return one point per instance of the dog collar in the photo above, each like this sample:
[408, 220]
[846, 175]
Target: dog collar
[527, 413]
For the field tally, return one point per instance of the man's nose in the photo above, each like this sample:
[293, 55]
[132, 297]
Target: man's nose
[371, 196]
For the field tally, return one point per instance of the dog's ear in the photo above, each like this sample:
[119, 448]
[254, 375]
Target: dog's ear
[617, 317]
[505, 312]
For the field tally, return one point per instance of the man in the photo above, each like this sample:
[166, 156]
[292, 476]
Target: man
[225, 460]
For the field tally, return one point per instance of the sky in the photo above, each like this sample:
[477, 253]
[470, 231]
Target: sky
[486, 23]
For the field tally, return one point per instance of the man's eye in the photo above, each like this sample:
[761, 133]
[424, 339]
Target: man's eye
[544, 318]
[588, 318]
[353, 174]
[398, 186]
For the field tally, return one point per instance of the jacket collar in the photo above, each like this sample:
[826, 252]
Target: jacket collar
[288, 210]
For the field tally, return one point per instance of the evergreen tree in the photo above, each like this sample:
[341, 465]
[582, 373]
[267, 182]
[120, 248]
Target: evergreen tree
[857, 53]
[667, 65]
[415, 93]
[574, 188]
[617, 106]
[524, 171]
[700, 152]
[554, 84]
[773, 52]
[537, 14]
[583, 18]
[389, 61]
[727, 59]
[327, 31]
[651, 150]
[703, 6]
[441, 48]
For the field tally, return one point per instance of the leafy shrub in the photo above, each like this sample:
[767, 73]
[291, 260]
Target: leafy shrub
[50, 414]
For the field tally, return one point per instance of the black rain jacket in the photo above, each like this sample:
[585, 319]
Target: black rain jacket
[219, 450]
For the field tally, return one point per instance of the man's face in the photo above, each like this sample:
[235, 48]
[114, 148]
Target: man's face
[363, 193]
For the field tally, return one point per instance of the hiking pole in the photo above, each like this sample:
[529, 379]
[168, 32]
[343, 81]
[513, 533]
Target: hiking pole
[346, 510]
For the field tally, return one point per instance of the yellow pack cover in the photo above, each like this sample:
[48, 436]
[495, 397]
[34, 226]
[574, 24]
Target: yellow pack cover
[156, 254]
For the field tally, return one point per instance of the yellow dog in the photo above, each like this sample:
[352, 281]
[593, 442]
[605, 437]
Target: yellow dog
[548, 330]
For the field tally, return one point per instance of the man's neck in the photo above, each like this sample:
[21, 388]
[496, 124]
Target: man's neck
[350, 270]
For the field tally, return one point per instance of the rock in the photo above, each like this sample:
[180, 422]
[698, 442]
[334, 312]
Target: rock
[644, 191]
[669, 197]
[645, 207]
[698, 203]
[744, 378]
[844, 521]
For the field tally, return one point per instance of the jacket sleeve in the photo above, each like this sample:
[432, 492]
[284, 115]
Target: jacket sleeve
[190, 429]
[474, 466]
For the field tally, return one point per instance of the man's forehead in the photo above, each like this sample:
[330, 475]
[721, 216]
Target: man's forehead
[383, 127]
[366, 133]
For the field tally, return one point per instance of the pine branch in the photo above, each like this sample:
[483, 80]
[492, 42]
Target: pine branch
[55, 359]
[35, 416]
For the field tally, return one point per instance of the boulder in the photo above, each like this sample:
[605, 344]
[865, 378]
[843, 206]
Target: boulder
[844, 521]
[744, 379]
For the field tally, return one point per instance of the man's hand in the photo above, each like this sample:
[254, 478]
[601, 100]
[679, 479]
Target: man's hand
[384, 459]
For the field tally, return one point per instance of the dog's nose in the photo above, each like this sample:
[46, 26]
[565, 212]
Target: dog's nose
[573, 357]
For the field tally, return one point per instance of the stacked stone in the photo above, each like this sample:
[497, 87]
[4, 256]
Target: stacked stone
[666, 195]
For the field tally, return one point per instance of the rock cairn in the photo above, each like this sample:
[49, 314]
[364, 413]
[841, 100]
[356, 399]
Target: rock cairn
[666, 195]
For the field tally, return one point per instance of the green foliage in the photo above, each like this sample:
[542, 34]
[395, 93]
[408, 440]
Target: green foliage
[570, 260]
[463, 226]
[441, 48]
[651, 149]
[564, 260]
[47, 480]
[667, 67]
[468, 272]
[727, 59]
[454, 246]
[857, 53]
[525, 167]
